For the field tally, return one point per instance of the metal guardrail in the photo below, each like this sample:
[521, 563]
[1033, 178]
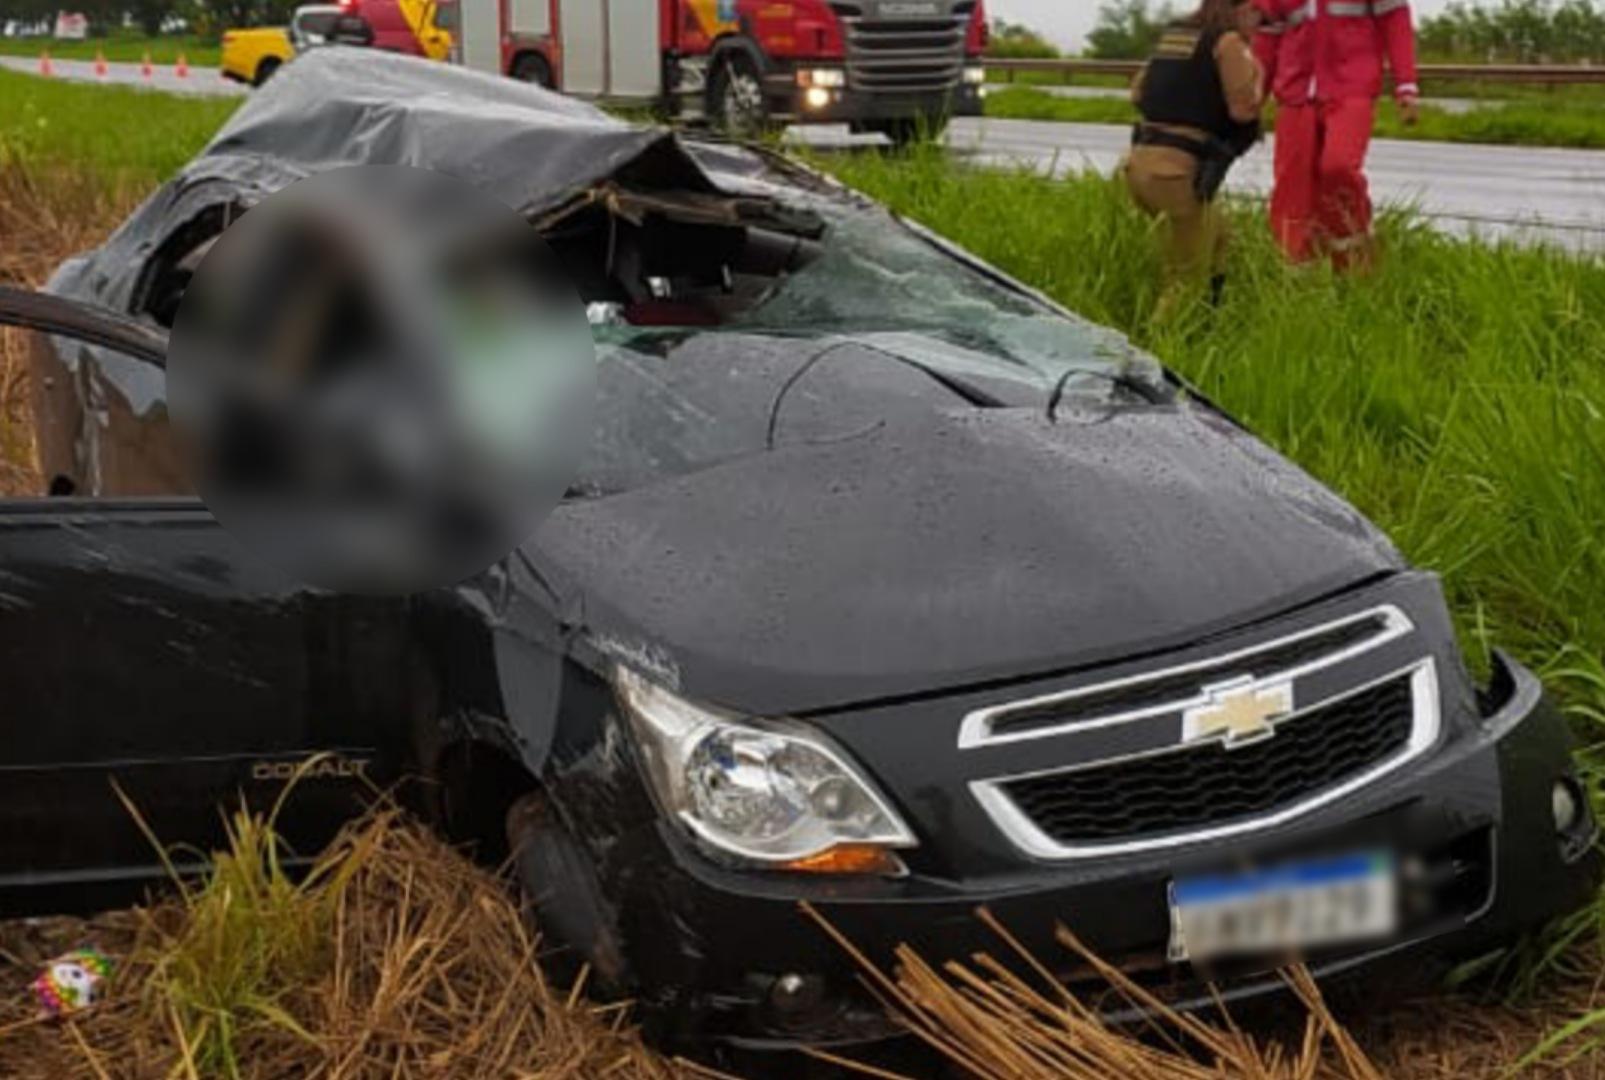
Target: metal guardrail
[1069, 69]
[1508, 74]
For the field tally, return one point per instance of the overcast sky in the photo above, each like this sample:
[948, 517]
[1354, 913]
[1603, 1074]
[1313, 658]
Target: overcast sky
[1067, 21]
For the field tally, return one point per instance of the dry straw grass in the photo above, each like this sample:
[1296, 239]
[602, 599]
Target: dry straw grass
[395, 957]
[993, 1023]
[46, 214]
[19, 470]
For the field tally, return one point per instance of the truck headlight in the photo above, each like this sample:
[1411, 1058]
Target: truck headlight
[975, 76]
[825, 78]
[770, 793]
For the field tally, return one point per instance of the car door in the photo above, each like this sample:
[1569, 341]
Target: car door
[155, 674]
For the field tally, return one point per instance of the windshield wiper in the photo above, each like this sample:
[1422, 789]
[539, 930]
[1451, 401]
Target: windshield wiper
[1122, 380]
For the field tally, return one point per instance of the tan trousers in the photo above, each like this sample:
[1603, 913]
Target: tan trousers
[1161, 182]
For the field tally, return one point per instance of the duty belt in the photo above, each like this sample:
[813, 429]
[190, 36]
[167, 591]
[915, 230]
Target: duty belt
[1215, 156]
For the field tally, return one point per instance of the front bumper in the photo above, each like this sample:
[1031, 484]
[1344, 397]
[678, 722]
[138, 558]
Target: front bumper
[848, 106]
[710, 948]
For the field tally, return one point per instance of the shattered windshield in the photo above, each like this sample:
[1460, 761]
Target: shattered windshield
[876, 276]
[884, 282]
[881, 324]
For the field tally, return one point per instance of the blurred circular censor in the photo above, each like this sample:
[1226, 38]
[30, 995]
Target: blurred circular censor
[382, 378]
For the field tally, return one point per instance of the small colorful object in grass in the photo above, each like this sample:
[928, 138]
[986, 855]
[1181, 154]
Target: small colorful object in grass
[71, 982]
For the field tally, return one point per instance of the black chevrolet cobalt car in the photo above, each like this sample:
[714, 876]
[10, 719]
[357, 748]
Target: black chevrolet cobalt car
[889, 586]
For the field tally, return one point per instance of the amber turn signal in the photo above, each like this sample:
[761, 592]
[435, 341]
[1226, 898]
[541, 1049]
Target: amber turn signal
[849, 859]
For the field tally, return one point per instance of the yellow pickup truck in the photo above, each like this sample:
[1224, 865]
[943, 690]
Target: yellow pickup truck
[406, 26]
[252, 56]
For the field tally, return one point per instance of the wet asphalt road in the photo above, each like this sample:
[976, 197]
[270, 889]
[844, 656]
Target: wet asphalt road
[1536, 195]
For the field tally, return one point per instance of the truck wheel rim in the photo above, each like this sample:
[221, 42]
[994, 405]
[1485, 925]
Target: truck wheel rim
[743, 101]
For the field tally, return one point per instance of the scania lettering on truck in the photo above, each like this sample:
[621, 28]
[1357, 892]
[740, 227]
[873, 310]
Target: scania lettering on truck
[900, 67]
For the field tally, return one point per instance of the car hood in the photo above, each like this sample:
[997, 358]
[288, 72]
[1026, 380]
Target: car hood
[947, 547]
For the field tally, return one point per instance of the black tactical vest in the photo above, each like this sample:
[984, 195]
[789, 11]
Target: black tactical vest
[1183, 86]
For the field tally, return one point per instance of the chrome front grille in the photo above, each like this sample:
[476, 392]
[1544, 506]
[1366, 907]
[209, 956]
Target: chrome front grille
[1210, 748]
[1173, 689]
[1186, 789]
[905, 56]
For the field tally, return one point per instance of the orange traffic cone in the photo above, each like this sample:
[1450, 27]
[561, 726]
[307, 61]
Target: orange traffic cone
[46, 68]
[100, 64]
[181, 69]
[144, 66]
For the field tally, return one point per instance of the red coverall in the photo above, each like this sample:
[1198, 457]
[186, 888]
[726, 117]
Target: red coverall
[1323, 60]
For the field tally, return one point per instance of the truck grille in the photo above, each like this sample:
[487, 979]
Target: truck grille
[905, 56]
[1193, 788]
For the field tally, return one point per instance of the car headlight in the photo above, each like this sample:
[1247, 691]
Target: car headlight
[827, 78]
[770, 793]
[975, 76]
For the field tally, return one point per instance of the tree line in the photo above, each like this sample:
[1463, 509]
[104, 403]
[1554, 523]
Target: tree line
[1518, 32]
[205, 17]
[1015, 41]
[1506, 31]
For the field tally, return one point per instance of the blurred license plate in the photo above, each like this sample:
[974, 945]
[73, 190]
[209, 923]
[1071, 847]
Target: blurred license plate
[1297, 906]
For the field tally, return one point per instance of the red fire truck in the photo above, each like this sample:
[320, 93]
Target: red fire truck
[894, 66]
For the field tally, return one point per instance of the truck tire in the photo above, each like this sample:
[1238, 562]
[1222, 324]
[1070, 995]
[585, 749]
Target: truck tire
[265, 70]
[905, 131]
[736, 103]
[532, 67]
[563, 898]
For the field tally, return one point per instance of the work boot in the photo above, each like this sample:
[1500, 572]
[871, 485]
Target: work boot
[1353, 254]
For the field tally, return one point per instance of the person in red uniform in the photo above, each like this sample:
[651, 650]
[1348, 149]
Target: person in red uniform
[1324, 61]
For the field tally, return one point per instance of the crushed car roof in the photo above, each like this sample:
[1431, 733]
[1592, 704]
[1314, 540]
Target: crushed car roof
[528, 146]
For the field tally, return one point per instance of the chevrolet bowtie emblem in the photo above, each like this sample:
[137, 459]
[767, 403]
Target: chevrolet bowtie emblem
[1239, 712]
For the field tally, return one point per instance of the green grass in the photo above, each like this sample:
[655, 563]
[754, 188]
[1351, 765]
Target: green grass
[1457, 396]
[1567, 121]
[252, 936]
[120, 134]
[1584, 94]
[1025, 103]
[1053, 78]
[122, 45]
[1523, 123]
